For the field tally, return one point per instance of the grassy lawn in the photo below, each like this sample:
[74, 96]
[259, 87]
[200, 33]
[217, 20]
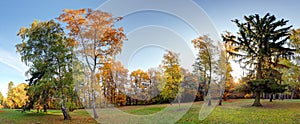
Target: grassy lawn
[232, 111]
[51, 117]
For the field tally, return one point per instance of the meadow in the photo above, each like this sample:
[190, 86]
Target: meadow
[231, 112]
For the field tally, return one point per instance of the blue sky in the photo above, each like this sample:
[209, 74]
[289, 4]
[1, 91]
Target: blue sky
[17, 13]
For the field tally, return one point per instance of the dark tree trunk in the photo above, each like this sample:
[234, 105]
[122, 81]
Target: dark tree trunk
[293, 93]
[221, 97]
[271, 98]
[45, 108]
[64, 108]
[257, 99]
[65, 114]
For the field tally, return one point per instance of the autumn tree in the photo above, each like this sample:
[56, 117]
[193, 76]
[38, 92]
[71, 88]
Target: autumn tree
[1, 99]
[204, 64]
[190, 85]
[225, 66]
[97, 39]
[17, 96]
[140, 81]
[261, 43]
[295, 43]
[10, 94]
[155, 79]
[114, 78]
[290, 75]
[172, 77]
[48, 53]
[120, 74]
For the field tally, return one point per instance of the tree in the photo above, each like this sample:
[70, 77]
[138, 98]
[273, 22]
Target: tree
[295, 43]
[10, 93]
[140, 81]
[48, 52]
[17, 96]
[114, 77]
[261, 43]
[155, 80]
[225, 67]
[1, 99]
[204, 63]
[97, 39]
[172, 77]
[290, 75]
[189, 84]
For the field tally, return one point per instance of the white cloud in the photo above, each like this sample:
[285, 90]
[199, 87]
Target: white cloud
[13, 61]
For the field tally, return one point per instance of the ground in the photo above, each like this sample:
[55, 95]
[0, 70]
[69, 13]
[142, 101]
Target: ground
[232, 111]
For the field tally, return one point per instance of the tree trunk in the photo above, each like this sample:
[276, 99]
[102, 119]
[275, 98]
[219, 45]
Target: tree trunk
[257, 99]
[258, 76]
[45, 108]
[179, 100]
[221, 97]
[209, 95]
[271, 98]
[64, 109]
[94, 105]
[293, 93]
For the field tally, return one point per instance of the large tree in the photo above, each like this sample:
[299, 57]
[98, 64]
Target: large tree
[48, 52]
[98, 42]
[204, 64]
[261, 43]
[172, 77]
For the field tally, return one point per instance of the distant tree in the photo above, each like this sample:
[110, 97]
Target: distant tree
[189, 84]
[120, 74]
[172, 77]
[17, 96]
[295, 43]
[10, 93]
[155, 79]
[1, 99]
[261, 43]
[140, 81]
[48, 52]
[114, 78]
[290, 75]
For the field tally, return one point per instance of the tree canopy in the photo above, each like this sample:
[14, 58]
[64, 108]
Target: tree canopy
[261, 43]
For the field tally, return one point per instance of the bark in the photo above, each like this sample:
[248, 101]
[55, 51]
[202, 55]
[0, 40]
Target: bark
[258, 76]
[64, 109]
[271, 98]
[45, 108]
[94, 105]
[257, 99]
[293, 93]
[209, 96]
[221, 97]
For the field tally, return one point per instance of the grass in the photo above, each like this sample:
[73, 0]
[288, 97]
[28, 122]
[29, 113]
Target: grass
[241, 111]
[8, 116]
[232, 111]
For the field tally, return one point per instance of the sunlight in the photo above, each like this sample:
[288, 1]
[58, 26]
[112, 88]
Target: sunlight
[236, 80]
